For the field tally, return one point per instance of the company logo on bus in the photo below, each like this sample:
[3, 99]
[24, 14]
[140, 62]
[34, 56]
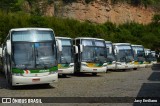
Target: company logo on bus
[42, 71]
[27, 72]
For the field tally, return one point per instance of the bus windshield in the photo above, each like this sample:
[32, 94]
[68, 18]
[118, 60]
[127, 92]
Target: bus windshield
[34, 55]
[66, 55]
[33, 49]
[140, 53]
[125, 54]
[93, 51]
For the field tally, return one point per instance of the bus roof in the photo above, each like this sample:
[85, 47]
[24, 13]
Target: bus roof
[88, 38]
[121, 43]
[108, 42]
[24, 29]
[147, 49]
[62, 37]
[137, 45]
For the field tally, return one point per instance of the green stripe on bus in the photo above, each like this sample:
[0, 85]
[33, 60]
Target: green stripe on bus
[16, 70]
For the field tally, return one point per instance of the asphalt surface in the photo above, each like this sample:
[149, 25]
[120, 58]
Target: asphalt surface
[144, 82]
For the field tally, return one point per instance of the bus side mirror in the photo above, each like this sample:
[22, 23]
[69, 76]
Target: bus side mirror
[59, 44]
[81, 48]
[9, 47]
[76, 49]
[110, 50]
[136, 51]
[116, 50]
[0, 52]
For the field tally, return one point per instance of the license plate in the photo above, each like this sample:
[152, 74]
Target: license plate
[94, 69]
[36, 80]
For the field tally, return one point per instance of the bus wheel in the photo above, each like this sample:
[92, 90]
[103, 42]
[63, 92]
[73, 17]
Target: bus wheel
[94, 74]
[134, 68]
[64, 75]
[123, 69]
[9, 79]
[10, 86]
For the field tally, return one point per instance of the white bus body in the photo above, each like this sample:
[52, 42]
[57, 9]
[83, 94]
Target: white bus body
[66, 57]
[91, 57]
[148, 56]
[124, 56]
[30, 56]
[154, 59]
[139, 56]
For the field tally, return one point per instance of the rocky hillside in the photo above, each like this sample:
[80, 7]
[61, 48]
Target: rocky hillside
[96, 11]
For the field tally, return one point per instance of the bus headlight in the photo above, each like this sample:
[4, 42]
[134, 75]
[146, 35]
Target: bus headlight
[71, 65]
[105, 65]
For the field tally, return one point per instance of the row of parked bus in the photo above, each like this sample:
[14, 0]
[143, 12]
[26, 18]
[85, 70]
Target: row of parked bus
[36, 56]
[97, 55]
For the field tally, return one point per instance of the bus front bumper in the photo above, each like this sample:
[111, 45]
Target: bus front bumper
[130, 66]
[69, 70]
[148, 65]
[121, 66]
[142, 65]
[136, 66]
[86, 69]
[111, 66]
[23, 80]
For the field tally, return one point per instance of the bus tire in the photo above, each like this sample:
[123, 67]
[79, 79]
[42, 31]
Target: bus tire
[134, 68]
[9, 81]
[94, 74]
[64, 75]
[9, 74]
[123, 70]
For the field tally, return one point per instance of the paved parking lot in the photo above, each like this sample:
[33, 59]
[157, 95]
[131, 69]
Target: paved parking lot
[131, 83]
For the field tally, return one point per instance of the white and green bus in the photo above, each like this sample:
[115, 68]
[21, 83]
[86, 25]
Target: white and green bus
[139, 56]
[154, 59]
[124, 56]
[111, 61]
[91, 57]
[30, 56]
[66, 57]
[148, 57]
